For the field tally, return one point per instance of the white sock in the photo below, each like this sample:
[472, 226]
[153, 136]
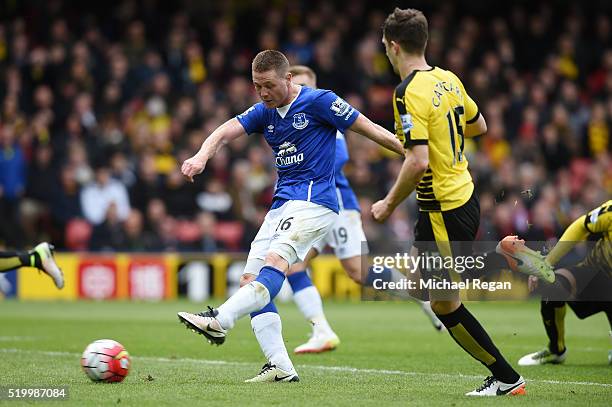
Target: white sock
[250, 298]
[320, 326]
[268, 331]
[310, 305]
[309, 302]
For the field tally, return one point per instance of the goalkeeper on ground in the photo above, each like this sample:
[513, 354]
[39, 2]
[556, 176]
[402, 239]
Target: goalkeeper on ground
[586, 287]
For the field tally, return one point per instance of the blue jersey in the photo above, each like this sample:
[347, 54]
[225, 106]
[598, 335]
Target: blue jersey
[303, 138]
[346, 196]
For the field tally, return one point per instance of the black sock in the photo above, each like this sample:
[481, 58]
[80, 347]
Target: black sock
[12, 260]
[553, 316]
[35, 260]
[472, 337]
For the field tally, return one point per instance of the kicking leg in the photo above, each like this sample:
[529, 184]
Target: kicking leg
[215, 323]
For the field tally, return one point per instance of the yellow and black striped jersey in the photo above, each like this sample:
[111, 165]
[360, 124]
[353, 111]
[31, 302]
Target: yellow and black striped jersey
[432, 107]
[599, 221]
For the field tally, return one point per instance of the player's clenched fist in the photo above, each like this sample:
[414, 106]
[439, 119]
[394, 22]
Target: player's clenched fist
[192, 167]
[381, 210]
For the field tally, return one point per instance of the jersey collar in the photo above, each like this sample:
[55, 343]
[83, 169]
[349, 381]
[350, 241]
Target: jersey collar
[282, 111]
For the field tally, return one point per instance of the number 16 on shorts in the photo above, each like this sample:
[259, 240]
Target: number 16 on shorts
[284, 224]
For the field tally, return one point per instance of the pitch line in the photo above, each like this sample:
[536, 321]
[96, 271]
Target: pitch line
[346, 369]
[16, 338]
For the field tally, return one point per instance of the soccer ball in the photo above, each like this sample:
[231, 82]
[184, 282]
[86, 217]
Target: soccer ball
[106, 361]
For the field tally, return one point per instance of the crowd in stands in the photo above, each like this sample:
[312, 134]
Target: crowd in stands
[100, 103]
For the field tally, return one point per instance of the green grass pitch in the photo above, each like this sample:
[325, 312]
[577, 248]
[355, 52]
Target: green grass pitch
[389, 355]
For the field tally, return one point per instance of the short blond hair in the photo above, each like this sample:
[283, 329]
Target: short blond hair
[303, 70]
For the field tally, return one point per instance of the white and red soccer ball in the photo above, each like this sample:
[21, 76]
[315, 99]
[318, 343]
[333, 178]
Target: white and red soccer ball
[106, 360]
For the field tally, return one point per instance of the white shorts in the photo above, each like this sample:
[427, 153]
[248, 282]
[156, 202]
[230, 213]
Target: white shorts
[289, 231]
[346, 236]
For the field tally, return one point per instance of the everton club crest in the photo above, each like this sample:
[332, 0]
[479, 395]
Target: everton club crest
[299, 121]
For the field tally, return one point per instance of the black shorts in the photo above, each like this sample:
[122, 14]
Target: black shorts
[584, 309]
[456, 227]
[593, 290]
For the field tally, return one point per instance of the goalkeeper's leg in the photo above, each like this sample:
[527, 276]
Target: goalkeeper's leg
[41, 257]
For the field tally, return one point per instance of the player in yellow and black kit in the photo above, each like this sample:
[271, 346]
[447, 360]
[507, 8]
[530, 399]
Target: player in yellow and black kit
[40, 257]
[433, 115]
[585, 287]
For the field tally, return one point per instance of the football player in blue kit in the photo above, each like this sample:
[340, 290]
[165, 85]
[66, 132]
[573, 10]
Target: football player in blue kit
[300, 125]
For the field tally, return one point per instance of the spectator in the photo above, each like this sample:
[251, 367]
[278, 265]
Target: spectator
[135, 239]
[555, 153]
[207, 242]
[12, 184]
[157, 223]
[215, 199]
[100, 194]
[147, 185]
[65, 203]
[108, 235]
[598, 134]
[41, 176]
[179, 196]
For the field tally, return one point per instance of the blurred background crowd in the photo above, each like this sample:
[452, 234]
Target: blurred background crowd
[101, 102]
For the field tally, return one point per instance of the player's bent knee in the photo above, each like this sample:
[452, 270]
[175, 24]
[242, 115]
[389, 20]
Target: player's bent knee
[277, 261]
[273, 258]
[444, 307]
[246, 279]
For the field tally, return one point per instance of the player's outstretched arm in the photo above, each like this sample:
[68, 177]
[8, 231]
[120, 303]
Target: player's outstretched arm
[576, 232]
[225, 133]
[376, 133]
[413, 168]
